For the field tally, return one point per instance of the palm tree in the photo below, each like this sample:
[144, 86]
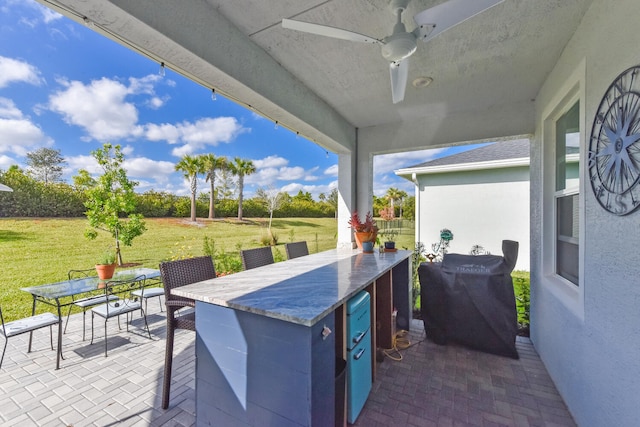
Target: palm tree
[211, 163]
[191, 166]
[392, 195]
[241, 167]
[402, 195]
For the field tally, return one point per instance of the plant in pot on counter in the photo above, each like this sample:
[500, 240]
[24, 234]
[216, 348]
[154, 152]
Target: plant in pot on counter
[390, 239]
[364, 231]
[106, 265]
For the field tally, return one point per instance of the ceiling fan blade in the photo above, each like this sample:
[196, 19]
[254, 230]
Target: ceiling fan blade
[399, 74]
[325, 30]
[449, 14]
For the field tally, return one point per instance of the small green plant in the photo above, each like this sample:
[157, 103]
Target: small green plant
[292, 235]
[107, 258]
[265, 240]
[389, 235]
[521, 287]
[277, 255]
[416, 259]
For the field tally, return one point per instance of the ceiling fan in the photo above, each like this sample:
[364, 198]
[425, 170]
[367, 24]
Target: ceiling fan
[401, 44]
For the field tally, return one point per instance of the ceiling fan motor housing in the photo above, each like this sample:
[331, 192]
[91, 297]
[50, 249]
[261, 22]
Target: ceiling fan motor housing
[398, 46]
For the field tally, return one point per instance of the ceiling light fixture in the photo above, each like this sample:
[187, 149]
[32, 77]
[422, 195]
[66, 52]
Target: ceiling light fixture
[276, 126]
[213, 94]
[423, 81]
[161, 70]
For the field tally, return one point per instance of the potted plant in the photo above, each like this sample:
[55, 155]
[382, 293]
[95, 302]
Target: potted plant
[390, 243]
[364, 231]
[106, 265]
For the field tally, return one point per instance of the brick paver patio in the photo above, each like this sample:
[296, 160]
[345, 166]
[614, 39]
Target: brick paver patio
[431, 386]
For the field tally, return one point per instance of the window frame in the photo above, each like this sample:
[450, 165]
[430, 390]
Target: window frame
[568, 293]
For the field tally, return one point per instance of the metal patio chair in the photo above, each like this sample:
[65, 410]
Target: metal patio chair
[24, 325]
[296, 249]
[252, 258]
[150, 292]
[174, 275]
[86, 302]
[125, 303]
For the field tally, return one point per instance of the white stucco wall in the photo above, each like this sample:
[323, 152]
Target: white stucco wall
[589, 337]
[480, 208]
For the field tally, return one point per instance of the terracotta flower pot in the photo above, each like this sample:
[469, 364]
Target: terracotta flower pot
[105, 271]
[362, 236]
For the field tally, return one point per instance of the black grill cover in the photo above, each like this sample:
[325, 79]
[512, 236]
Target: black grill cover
[469, 299]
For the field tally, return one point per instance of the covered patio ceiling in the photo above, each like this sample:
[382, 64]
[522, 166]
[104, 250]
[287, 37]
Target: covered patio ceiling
[489, 68]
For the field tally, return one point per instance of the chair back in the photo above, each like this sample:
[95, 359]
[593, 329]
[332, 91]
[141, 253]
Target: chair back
[123, 290]
[184, 272]
[81, 274]
[252, 258]
[296, 249]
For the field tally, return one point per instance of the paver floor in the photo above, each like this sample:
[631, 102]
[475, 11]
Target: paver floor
[431, 386]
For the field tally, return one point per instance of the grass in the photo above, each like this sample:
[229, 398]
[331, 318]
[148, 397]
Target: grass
[35, 251]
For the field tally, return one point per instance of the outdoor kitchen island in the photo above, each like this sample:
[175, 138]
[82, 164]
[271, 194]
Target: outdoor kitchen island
[267, 339]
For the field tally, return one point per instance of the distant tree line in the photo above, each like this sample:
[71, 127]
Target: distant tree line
[34, 198]
[38, 192]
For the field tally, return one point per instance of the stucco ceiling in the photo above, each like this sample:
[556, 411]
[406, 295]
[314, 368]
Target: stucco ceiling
[496, 59]
[500, 56]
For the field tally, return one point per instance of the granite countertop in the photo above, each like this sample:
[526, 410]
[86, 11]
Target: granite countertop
[302, 290]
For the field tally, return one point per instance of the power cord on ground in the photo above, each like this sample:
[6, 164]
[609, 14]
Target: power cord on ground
[400, 342]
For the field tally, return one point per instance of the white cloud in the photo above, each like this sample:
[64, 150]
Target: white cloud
[137, 168]
[19, 135]
[271, 162]
[164, 132]
[127, 150]
[6, 162]
[197, 135]
[142, 167]
[331, 170]
[156, 103]
[99, 107]
[8, 109]
[13, 71]
[291, 174]
[85, 162]
[386, 163]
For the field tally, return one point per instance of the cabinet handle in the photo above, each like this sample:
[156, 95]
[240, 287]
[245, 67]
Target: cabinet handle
[359, 337]
[359, 354]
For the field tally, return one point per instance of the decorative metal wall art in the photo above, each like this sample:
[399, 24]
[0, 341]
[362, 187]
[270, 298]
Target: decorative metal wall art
[614, 147]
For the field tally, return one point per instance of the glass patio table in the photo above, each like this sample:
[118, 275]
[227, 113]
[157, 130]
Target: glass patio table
[60, 294]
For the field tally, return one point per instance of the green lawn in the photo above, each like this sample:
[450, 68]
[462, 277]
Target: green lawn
[35, 251]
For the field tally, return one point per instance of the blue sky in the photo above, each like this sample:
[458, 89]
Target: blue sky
[66, 87]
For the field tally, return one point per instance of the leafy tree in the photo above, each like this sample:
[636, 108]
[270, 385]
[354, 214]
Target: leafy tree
[111, 198]
[303, 196]
[332, 199]
[241, 168]
[226, 187]
[272, 199]
[211, 163]
[45, 164]
[83, 181]
[191, 166]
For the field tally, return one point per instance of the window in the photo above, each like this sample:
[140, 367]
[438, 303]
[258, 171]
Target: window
[567, 194]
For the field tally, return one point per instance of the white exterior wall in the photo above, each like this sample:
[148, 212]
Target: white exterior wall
[479, 207]
[588, 336]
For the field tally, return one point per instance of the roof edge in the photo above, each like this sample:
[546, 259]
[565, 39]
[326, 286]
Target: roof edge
[493, 164]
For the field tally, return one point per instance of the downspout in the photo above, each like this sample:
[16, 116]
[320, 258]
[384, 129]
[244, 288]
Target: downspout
[414, 179]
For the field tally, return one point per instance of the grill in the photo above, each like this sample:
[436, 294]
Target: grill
[358, 354]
